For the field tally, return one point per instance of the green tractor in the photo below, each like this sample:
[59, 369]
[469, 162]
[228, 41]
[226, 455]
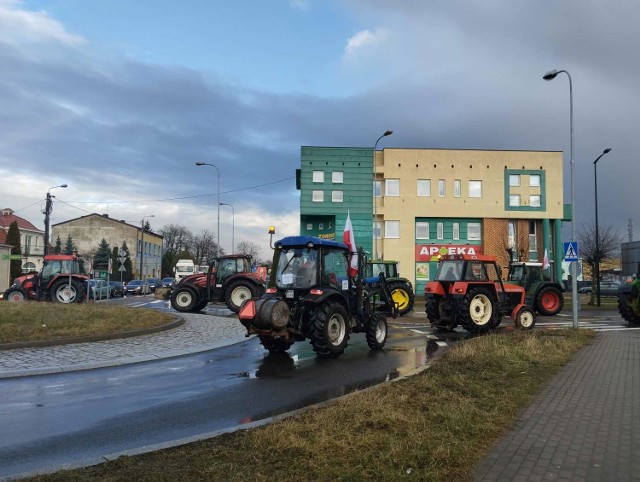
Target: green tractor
[401, 288]
[544, 294]
[629, 300]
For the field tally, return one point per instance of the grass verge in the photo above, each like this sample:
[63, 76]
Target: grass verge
[32, 321]
[434, 426]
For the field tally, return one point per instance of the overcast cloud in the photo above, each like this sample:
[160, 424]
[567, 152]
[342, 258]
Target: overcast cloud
[124, 133]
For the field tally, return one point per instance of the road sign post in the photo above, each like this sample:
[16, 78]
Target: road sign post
[571, 256]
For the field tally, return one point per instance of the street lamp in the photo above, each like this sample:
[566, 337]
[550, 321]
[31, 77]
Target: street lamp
[574, 264]
[218, 204]
[142, 241]
[375, 203]
[233, 227]
[48, 207]
[597, 260]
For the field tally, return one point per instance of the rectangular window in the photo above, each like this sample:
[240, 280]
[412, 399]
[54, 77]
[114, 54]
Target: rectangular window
[514, 200]
[440, 230]
[377, 189]
[534, 200]
[377, 230]
[317, 196]
[457, 187]
[534, 180]
[441, 187]
[337, 177]
[422, 230]
[424, 187]
[392, 229]
[533, 237]
[337, 196]
[514, 180]
[309, 226]
[475, 188]
[318, 176]
[456, 230]
[392, 187]
[511, 236]
[474, 232]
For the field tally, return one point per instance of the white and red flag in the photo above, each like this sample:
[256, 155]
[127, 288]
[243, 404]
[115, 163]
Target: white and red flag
[350, 240]
[545, 260]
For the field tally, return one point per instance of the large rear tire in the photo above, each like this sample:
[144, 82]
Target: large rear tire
[16, 295]
[549, 301]
[377, 330]
[64, 291]
[184, 299]
[329, 330]
[402, 294]
[238, 292]
[476, 311]
[627, 299]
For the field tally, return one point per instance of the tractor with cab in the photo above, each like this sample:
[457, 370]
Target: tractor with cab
[401, 288]
[544, 294]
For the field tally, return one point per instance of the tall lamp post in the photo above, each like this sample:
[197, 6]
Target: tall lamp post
[48, 207]
[375, 203]
[574, 264]
[142, 241]
[597, 260]
[218, 203]
[233, 227]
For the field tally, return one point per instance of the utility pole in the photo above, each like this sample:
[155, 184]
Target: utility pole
[48, 207]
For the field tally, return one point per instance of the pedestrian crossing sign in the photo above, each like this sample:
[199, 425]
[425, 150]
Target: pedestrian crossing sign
[571, 251]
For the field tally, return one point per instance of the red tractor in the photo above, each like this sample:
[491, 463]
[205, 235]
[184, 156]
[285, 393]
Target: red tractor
[59, 281]
[469, 291]
[229, 279]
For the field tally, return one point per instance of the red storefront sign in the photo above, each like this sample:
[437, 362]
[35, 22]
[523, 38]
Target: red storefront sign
[430, 252]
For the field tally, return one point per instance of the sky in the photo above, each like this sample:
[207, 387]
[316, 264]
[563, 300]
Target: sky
[119, 99]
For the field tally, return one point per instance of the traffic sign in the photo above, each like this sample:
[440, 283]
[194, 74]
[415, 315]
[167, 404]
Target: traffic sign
[571, 251]
[12, 256]
[122, 253]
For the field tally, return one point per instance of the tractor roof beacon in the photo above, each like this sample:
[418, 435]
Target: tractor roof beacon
[311, 296]
[542, 293]
[469, 291]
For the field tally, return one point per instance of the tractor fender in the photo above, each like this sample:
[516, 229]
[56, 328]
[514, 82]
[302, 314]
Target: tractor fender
[325, 296]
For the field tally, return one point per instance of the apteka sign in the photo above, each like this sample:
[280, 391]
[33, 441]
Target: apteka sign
[430, 252]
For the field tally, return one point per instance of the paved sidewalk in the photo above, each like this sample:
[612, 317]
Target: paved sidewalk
[198, 333]
[585, 426]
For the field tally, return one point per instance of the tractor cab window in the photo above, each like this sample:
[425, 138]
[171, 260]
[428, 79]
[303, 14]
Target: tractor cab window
[449, 271]
[476, 272]
[226, 268]
[492, 272]
[518, 273]
[297, 268]
[50, 269]
[334, 270]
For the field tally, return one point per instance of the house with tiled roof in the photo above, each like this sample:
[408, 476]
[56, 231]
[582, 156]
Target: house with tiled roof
[31, 239]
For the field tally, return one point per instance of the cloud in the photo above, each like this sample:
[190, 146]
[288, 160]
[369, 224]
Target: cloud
[365, 40]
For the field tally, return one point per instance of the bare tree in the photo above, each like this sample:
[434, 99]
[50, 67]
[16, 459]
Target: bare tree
[204, 247]
[247, 247]
[609, 241]
[176, 238]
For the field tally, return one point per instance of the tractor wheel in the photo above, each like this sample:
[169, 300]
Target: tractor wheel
[329, 330]
[64, 292]
[377, 331]
[476, 311]
[434, 314]
[525, 318]
[200, 306]
[275, 345]
[185, 299]
[626, 301]
[238, 292]
[549, 301]
[402, 294]
[16, 294]
[496, 321]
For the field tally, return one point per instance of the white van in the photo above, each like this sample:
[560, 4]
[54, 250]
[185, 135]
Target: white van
[183, 268]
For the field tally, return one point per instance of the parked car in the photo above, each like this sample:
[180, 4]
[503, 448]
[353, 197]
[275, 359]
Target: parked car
[154, 283]
[116, 288]
[137, 287]
[607, 288]
[167, 282]
[98, 289]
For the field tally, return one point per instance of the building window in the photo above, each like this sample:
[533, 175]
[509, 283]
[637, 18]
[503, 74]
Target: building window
[534, 180]
[474, 232]
[337, 177]
[392, 187]
[424, 187]
[514, 200]
[377, 189]
[318, 176]
[457, 187]
[309, 226]
[440, 230]
[511, 236]
[392, 229]
[422, 230]
[321, 226]
[475, 188]
[317, 196]
[377, 230]
[456, 230]
[514, 180]
[534, 200]
[533, 237]
[336, 196]
[441, 187]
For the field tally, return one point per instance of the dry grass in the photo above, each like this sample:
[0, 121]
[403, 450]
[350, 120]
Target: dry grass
[435, 426]
[32, 321]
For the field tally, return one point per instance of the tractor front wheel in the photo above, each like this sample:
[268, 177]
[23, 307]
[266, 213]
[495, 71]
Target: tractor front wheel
[402, 295]
[549, 301]
[329, 330]
[476, 311]
[16, 294]
[238, 292]
[525, 318]
[67, 292]
[184, 299]
[377, 331]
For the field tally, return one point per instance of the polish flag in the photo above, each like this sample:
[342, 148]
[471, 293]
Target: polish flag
[350, 240]
[545, 260]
